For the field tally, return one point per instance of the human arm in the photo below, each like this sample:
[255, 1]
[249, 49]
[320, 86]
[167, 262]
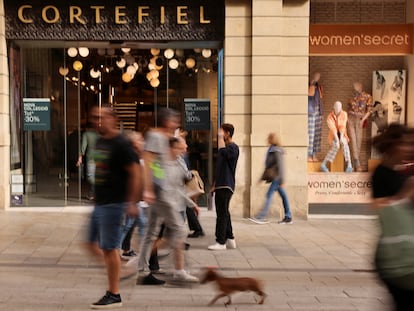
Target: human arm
[134, 188]
[220, 139]
[148, 187]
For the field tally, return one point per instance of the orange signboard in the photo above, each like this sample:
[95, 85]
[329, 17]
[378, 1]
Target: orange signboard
[360, 39]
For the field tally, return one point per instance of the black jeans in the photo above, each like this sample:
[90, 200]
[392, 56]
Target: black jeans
[224, 229]
[192, 219]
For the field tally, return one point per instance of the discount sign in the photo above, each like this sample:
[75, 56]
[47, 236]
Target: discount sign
[36, 114]
[197, 114]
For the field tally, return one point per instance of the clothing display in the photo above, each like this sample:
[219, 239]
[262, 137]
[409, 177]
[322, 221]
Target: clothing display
[337, 121]
[360, 108]
[315, 112]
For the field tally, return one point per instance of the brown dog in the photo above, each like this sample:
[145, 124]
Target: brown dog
[228, 286]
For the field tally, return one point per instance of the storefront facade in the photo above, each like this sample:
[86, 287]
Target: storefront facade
[265, 73]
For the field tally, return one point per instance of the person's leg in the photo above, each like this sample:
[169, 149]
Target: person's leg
[229, 227]
[347, 156]
[129, 227]
[193, 222]
[311, 135]
[113, 268]
[221, 213]
[285, 202]
[317, 136]
[358, 138]
[330, 156]
[265, 209]
[352, 123]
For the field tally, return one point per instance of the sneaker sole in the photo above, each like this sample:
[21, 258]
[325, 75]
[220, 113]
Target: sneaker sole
[110, 306]
[259, 222]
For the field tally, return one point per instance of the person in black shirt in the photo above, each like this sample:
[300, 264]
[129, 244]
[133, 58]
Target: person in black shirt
[225, 180]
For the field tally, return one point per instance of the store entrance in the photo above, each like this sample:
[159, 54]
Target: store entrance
[56, 86]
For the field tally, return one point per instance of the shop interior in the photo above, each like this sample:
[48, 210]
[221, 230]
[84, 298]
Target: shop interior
[135, 80]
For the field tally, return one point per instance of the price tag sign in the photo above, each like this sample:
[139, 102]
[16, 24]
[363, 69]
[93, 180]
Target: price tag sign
[36, 114]
[197, 114]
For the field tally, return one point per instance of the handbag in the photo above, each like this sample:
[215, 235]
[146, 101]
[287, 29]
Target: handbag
[269, 174]
[195, 186]
[394, 255]
[271, 171]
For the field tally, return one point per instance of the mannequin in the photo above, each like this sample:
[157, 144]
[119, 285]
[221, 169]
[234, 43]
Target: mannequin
[315, 94]
[360, 108]
[337, 121]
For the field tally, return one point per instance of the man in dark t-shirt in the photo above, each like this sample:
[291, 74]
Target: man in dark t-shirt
[224, 184]
[117, 188]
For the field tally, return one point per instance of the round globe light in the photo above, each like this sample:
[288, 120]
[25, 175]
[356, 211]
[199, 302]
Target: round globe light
[173, 63]
[126, 77]
[151, 66]
[72, 52]
[126, 50]
[169, 53]
[155, 74]
[110, 52]
[206, 53]
[121, 63]
[155, 52]
[101, 52]
[179, 52]
[94, 73]
[83, 51]
[77, 65]
[190, 63]
[131, 70]
[63, 71]
[155, 82]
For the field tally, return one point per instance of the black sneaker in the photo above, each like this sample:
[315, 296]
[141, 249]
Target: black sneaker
[128, 255]
[108, 301]
[149, 280]
[196, 234]
[286, 220]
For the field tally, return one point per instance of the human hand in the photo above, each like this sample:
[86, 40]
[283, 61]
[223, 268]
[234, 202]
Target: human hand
[196, 210]
[149, 196]
[132, 210]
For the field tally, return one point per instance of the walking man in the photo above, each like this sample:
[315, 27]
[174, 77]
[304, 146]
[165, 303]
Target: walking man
[117, 189]
[224, 184]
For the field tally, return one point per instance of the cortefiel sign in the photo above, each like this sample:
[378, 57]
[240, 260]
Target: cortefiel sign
[361, 39]
[36, 114]
[339, 188]
[127, 20]
[196, 114]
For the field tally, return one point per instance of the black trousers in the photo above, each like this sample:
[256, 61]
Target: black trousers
[192, 219]
[224, 229]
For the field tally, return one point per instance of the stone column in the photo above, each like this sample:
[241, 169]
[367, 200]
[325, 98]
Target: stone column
[237, 94]
[4, 117]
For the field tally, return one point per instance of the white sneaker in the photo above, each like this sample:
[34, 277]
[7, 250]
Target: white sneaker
[217, 247]
[231, 243]
[183, 276]
[259, 221]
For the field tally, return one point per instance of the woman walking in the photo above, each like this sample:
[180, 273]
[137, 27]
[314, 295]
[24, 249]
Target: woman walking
[274, 174]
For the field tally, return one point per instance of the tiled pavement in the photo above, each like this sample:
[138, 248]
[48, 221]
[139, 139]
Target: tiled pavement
[319, 264]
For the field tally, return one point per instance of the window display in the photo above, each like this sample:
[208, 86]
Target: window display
[315, 94]
[337, 136]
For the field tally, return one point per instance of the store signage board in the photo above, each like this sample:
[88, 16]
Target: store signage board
[339, 188]
[118, 21]
[196, 114]
[36, 114]
[360, 39]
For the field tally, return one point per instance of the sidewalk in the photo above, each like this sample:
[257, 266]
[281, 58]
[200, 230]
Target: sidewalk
[319, 264]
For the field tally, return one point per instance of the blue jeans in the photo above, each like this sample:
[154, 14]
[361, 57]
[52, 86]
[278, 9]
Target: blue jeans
[275, 186]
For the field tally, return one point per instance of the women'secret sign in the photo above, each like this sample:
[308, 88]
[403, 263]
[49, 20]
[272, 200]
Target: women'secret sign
[361, 39]
[339, 188]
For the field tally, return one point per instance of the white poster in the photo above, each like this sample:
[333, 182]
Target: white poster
[339, 188]
[388, 94]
